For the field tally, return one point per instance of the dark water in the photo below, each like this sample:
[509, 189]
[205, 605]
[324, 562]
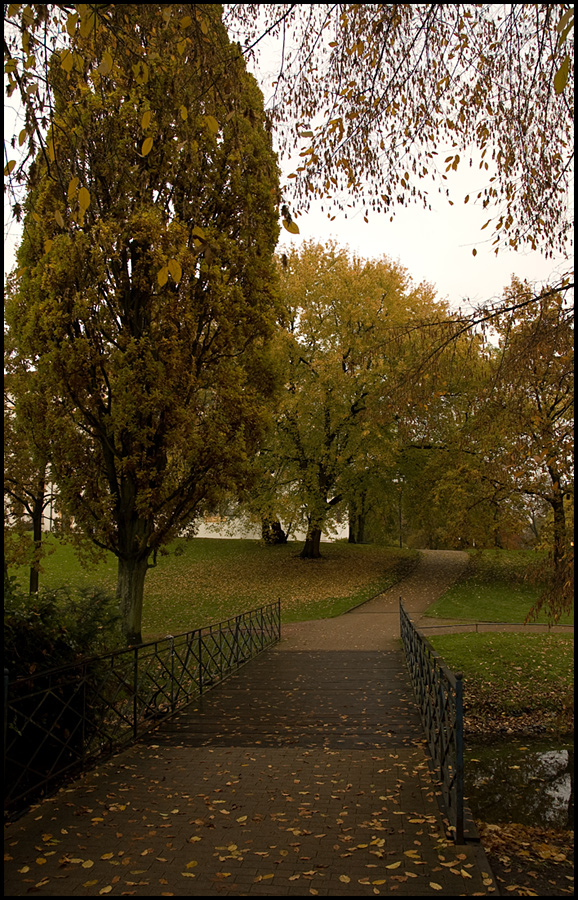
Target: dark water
[531, 782]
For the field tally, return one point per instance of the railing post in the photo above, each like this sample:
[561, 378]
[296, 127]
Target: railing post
[200, 662]
[135, 692]
[172, 673]
[459, 760]
[5, 716]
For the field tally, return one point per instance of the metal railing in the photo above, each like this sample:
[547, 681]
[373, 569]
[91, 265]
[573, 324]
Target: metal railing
[440, 700]
[61, 721]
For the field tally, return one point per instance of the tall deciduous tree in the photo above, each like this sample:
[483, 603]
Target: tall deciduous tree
[343, 368]
[367, 92]
[27, 488]
[145, 293]
[533, 399]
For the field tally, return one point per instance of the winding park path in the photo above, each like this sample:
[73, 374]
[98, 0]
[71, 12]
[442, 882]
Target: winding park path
[304, 773]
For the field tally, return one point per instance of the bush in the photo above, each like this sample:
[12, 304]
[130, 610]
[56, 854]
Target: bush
[57, 627]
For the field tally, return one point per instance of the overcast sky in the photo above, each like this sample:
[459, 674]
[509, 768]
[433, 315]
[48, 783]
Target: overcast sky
[433, 246]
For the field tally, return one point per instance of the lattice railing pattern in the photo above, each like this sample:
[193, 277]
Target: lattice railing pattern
[63, 720]
[439, 696]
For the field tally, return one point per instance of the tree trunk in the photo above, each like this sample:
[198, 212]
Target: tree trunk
[557, 504]
[37, 512]
[312, 541]
[272, 532]
[352, 538]
[130, 590]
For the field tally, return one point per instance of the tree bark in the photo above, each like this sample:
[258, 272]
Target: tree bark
[352, 537]
[37, 512]
[312, 541]
[272, 532]
[130, 591]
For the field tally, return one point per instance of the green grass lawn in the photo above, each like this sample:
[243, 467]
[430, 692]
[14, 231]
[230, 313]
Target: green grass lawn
[511, 672]
[206, 580]
[497, 587]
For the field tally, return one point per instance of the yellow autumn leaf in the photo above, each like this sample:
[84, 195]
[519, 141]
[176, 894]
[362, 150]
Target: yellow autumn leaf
[107, 855]
[22, 137]
[242, 819]
[184, 112]
[106, 890]
[291, 226]
[59, 221]
[71, 24]
[213, 124]
[465, 874]
[141, 72]
[90, 883]
[47, 248]
[345, 878]
[176, 273]
[72, 187]
[435, 886]
[66, 61]
[379, 881]
[394, 865]
[83, 199]
[162, 278]
[24, 869]
[146, 119]
[105, 64]
[188, 874]
[9, 167]
[561, 76]
[87, 864]
[191, 864]
[147, 146]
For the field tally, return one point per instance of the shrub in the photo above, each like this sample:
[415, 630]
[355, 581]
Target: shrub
[57, 627]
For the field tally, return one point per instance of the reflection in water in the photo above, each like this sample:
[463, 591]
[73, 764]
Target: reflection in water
[528, 782]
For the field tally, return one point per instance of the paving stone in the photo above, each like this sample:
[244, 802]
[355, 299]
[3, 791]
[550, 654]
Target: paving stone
[304, 773]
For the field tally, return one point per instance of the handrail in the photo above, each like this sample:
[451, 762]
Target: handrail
[63, 720]
[439, 694]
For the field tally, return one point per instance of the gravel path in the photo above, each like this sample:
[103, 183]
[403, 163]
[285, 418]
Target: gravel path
[375, 624]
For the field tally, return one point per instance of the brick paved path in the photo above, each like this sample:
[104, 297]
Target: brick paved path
[304, 773]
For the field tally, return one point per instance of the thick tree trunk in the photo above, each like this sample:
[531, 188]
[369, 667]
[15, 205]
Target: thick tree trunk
[557, 504]
[312, 541]
[353, 519]
[37, 512]
[272, 532]
[130, 590]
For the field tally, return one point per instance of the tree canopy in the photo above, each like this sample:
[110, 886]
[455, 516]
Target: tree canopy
[146, 289]
[367, 95]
